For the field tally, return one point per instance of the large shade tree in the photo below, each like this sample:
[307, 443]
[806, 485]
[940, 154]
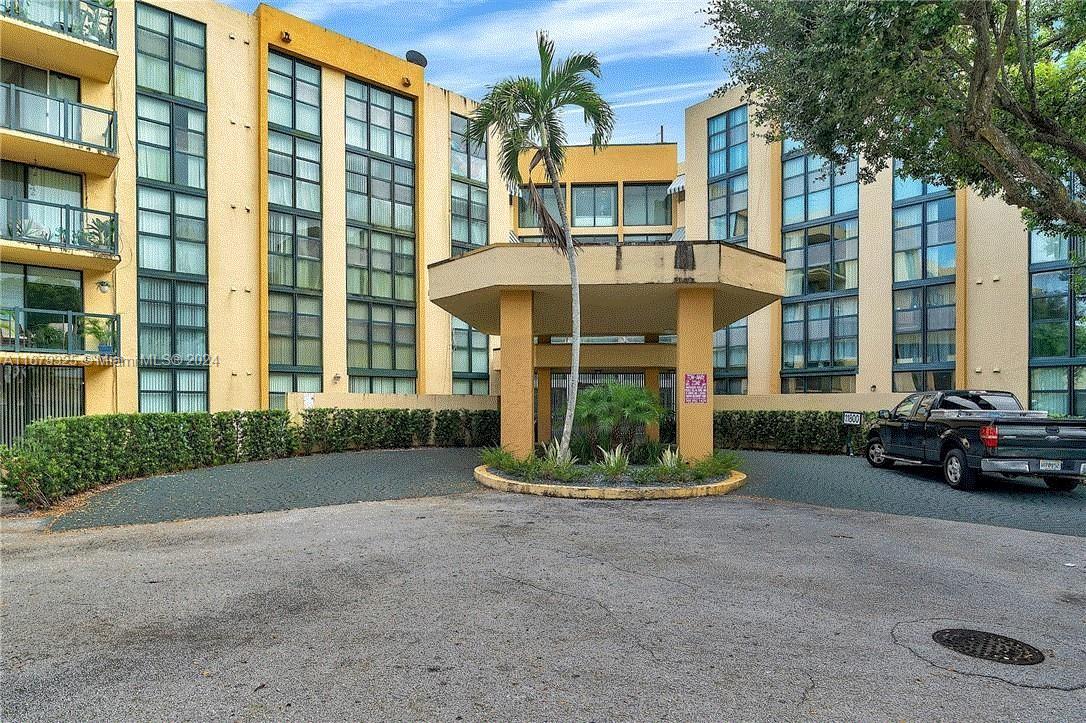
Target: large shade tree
[985, 93]
[527, 116]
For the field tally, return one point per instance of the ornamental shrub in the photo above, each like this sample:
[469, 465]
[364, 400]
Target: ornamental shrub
[788, 431]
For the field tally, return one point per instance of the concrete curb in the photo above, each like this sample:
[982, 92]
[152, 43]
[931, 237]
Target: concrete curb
[488, 479]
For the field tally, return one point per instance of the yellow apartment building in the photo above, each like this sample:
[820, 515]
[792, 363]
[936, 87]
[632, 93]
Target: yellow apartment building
[206, 209]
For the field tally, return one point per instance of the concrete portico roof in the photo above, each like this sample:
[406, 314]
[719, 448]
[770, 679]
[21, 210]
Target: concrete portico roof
[636, 296]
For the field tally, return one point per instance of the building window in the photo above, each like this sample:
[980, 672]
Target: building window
[813, 189]
[526, 215]
[170, 56]
[380, 340]
[646, 204]
[294, 251]
[380, 193]
[468, 158]
[595, 205]
[380, 265]
[294, 172]
[592, 239]
[645, 238]
[924, 234]
[822, 259]
[171, 203]
[819, 384]
[294, 95]
[728, 176]
[379, 122]
[470, 360]
[173, 390]
[1057, 325]
[820, 335]
[280, 384]
[294, 326]
[730, 359]
[381, 385]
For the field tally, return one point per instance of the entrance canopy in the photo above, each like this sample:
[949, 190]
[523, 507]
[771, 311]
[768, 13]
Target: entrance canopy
[624, 290]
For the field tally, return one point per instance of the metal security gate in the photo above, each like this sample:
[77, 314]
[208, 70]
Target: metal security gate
[29, 393]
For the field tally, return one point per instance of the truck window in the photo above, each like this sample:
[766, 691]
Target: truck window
[906, 407]
[981, 401]
[924, 407]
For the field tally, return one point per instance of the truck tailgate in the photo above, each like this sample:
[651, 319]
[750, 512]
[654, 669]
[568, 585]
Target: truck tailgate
[1047, 438]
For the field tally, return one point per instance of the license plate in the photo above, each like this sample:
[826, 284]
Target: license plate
[1050, 465]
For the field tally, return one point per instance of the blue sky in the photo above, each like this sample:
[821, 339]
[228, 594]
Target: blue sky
[654, 52]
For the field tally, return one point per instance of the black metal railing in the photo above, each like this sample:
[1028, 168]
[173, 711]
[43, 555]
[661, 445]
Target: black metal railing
[82, 19]
[41, 222]
[31, 112]
[45, 331]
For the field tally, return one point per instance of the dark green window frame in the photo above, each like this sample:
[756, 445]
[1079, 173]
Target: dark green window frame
[168, 306]
[730, 347]
[379, 122]
[185, 231]
[381, 340]
[823, 257]
[727, 179]
[468, 159]
[294, 87]
[807, 179]
[526, 216]
[294, 251]
[180, 393]
[294, 163]
[295, 319]
[802, 331]
[603, 194]
[160, 45]
[639, 203]
[471, 346]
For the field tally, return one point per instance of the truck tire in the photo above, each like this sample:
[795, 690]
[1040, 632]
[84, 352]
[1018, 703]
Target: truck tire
[876, 453]
[956, 471]
[1061, 484]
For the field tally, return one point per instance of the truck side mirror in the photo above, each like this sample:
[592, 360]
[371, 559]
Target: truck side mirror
[884, 414]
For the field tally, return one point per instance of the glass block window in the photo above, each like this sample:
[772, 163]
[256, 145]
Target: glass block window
[294, 95]
[379, 122]
[526, 216]
[821, 259]
[813, 189]
[595, 205]
[646, 204]
[170, 54]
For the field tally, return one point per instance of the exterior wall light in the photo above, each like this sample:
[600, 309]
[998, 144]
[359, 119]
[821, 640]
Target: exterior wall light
[104, 287]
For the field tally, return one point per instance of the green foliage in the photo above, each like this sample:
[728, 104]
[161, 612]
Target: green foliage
[721, 464]
[613, 462]
[613, 413]
[59, 457]
[990, 94]
[787, 431]
[499, 458]
[646, 452]
[450, 428]
[340, 430]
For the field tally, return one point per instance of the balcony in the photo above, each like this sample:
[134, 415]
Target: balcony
[51, 234]
[57, 133]
[77, 37]
[43, 331]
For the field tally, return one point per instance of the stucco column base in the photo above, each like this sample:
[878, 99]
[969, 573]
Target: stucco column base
[694, 355]
[517, 398]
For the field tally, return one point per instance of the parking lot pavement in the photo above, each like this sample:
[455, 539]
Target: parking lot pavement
[851, 483]
[493, 606]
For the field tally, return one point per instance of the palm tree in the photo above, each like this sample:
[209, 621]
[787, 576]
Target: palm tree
[527, 116]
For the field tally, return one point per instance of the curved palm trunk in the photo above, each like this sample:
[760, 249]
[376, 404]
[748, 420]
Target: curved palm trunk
[575, 310]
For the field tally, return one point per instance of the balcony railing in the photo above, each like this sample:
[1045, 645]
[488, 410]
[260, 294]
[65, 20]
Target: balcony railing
[43, 331]
[69, 227]
[25, 110]
[82, 19]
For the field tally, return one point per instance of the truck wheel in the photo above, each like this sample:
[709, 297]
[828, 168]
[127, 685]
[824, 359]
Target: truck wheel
[876, 453]
[956, 471]
[1061, 484]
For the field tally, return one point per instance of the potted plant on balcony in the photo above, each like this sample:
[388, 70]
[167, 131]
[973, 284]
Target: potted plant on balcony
[102, 331]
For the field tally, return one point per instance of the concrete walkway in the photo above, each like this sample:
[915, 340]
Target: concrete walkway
[488, 606]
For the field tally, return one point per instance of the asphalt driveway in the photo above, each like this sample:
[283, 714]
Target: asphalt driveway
[490, 606]
[851, 483]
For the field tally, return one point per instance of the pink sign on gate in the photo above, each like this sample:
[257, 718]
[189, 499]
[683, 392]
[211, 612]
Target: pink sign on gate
[696, 388]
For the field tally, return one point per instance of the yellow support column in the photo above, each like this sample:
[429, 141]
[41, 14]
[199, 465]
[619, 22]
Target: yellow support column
[694, 372]
[543, 405]
[517, 427]
[652, 386]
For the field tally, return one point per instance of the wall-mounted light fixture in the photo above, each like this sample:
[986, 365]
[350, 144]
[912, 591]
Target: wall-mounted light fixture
[285, 36]
[104, 287]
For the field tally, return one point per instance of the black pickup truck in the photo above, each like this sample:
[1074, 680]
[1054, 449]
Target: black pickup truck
[973, 432]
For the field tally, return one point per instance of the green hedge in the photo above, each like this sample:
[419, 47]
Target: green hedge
[59, 457]
[788, 431]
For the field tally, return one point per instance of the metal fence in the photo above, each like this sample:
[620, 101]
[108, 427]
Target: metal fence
[30, 393]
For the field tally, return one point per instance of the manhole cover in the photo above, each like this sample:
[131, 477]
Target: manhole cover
[988, 646]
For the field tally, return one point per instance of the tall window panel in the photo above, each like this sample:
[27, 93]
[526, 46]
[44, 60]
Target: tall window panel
[730, 359]
[728, 176]
[469, 190]
[821, 240]
[646, 204]
[171, 219]
[526, 215]
[595, 205]
[924, 256]
[1057, 324]
[295, 240]
[470, 359]
[381, 242]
